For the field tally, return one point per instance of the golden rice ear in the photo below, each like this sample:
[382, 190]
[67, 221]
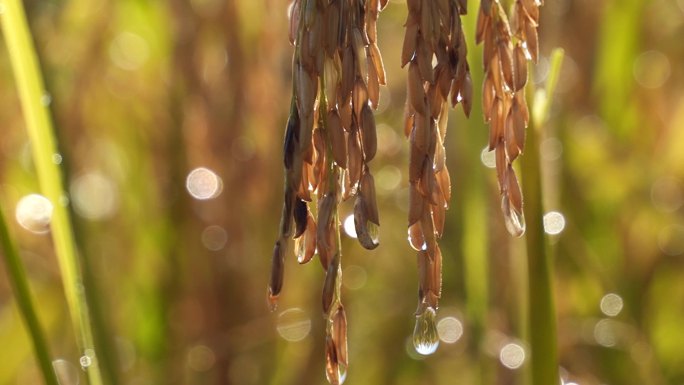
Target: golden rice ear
[339, 335]
[373, 87]
[355, 158]
[286, 216]
[367, 191]
[376, 58]
[368, 134]
[359, 98]
[520, 67]
[410, 40]
[519, 124]
[329, 140]
[416, 92]
[275, 284]
[348, 74]
[325, 216]
[506, 60]
[415, 204]
[331, 277]
[332, 365]
[505, 108]
[365, 230]
[532, 40]
[337, 136]
[300, 214]
[306, 246]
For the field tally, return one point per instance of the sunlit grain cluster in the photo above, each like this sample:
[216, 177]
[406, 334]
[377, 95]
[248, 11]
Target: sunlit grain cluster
[329, 140]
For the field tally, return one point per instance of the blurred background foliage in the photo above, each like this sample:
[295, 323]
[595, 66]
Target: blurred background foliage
[144, 92]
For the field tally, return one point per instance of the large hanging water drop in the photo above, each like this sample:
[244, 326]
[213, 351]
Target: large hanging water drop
[425, 335]
[515, 221]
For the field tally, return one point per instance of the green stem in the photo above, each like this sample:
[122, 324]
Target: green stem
[542, 314]
[17, 277]
[39, 126]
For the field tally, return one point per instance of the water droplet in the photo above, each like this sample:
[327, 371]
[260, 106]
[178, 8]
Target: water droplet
[203, 184]
[214, 237]
[57, 158]
[450, 329]
[512, 355]
[425, 336]
[293, 325]
[64, 200]
[611, 304]
[66, 372]
[349, 227]
[554, 223]
[342, 368]
[488, 158]
[34, 213]
[416, 238]
[300, 248]
[85, 361]
[373, 231]
[515, 222]
[46, 99]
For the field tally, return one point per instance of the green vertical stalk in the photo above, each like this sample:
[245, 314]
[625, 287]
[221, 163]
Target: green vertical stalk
[542, 313]
[39, 126]
[19, 282]
[474, 206]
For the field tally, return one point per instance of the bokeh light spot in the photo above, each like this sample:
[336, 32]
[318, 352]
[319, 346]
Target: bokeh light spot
[450, 329]
[651, 69]
[87, 359]
[604, 333]
[57, 158]
[214, 237]
[388, 178]
[488, 158]
[201, 358]
[95, 196]
[554, 222]
[512, 356]
[203, 184]
[354, 277]
[293, 325]
[671, 240]
[34, 213]
[551, 149]
[611, 304]
[349, 226]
